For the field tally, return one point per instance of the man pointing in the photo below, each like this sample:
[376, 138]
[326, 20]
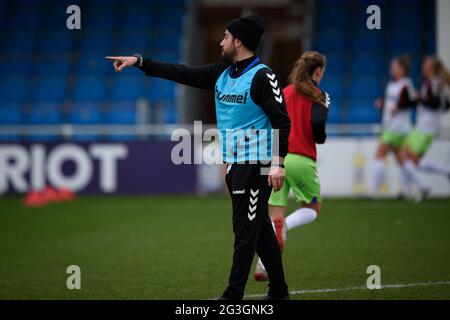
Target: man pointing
[249, 106]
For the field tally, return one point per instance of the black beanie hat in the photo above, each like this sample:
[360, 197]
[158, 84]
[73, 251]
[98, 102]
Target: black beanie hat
[248, 29]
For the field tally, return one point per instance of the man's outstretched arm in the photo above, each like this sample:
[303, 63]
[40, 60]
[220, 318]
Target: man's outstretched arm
[203, 77]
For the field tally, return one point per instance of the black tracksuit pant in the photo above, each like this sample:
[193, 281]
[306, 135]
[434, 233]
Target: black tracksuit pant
[253, 231]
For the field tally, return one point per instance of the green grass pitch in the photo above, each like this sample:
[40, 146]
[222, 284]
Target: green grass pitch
[180, 247]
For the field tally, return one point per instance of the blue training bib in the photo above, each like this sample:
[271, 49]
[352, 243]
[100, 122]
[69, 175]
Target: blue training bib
[245, 130]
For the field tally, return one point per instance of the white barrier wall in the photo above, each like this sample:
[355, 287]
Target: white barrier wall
[443, 41]
[345, 168]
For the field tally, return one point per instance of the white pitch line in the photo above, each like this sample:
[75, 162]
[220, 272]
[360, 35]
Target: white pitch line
[386, 286]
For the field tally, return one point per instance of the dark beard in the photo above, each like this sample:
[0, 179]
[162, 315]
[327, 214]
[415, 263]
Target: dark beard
[228, 58]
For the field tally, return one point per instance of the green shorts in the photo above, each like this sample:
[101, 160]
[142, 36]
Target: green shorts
[419, 142]
[301, 176]
[392, 138]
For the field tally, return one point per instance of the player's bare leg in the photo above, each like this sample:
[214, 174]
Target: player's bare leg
[402, 156]
[409, 165]
[379, 168]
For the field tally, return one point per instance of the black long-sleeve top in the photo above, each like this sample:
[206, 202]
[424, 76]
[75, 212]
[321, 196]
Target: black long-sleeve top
[319, 115]
[429, 95]
[406, 101]
[205, 77]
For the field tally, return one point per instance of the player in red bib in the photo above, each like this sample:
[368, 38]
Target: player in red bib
[307, 107]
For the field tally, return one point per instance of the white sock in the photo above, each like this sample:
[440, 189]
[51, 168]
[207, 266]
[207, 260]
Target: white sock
[406, 181]
[300, 217]
[413, 173]
[434, 167]
[379, 175]
[259, 266]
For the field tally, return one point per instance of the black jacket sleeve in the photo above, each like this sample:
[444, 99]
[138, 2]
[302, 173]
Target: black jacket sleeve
[203, 77]
[267, 93]
[432, 99]
[319, 115]
[406, 101]
[445, 98]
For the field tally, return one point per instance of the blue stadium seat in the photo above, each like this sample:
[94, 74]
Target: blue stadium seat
[333, 3]
[368, 42]
[161, 90]
[369, 64]
[53, 68]
[329, 19]
[43, 138]
[170, 16]
[10, 138]
[163, 112]
[13, 89]
[96, 41]
[168, 41]
[335, 111]
[335, 65]
[93, 64]
[24, 18]
[138, 17]
[409, 20]
[121, 113]
[402, 41]
[120, 137]
[413, 6]
[334, 42]
[15, 68]
[365, 87]
[396, 48]
[363, 4]
[362, 111]
[89, 88]
[166, 56]
[50, 89]
[85, 113]
[335, 86]
[100, 22]
[171, 114]
[127, 88]
[333, 14]
[100, 15]
[21, 42]
[57, 42]
[86, 137]
[45, 113]
[11, 113]
[133, 41]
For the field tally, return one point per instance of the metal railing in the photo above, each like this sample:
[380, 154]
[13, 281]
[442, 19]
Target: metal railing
[67, 131]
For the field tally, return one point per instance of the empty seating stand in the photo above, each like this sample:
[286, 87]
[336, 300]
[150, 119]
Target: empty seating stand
[358, 58]
[55, 75]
